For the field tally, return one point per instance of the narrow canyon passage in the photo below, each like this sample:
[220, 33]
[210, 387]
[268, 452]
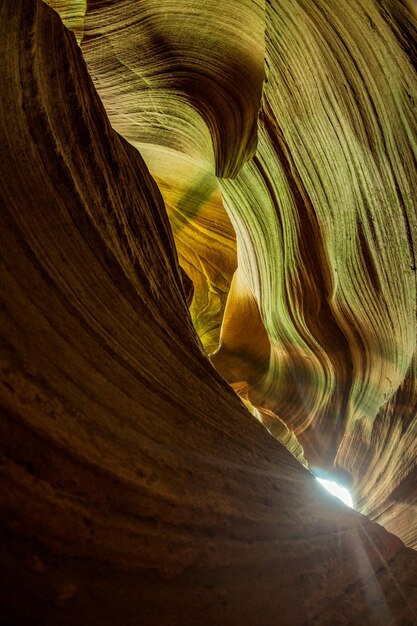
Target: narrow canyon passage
[194, 179]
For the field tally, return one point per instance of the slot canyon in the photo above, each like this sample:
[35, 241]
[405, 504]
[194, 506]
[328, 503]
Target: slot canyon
[208, 301]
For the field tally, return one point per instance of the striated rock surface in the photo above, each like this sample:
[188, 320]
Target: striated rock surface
[72, 13]
[135, 487]
[318, 176]
[184, 87]
[331, 195]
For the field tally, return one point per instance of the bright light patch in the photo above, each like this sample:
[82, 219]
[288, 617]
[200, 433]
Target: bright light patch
[336, 490]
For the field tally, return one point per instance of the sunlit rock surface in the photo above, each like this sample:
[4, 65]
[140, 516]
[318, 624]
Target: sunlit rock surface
[331, 196]
[183, 82]
[72, 13]
[135, 485]
[305, 112]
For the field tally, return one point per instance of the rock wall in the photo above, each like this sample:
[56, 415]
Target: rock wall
[136, 488]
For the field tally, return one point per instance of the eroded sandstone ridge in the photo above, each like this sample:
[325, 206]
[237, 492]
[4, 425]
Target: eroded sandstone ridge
[135, 488]
[305, 111]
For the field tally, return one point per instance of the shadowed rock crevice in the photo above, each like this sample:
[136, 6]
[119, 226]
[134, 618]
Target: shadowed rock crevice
[134, 485]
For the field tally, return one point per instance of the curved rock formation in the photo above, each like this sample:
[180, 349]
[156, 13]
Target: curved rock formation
[135, 486]
[331, 196]
[181, 103]
[321, 329]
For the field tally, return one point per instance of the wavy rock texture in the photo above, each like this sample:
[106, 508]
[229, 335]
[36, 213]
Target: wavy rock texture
[170, 77]
[331, 195]
[135, 487]
[72, 13]
[319, 330]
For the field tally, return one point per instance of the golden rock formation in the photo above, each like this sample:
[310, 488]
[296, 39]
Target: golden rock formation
[325, 214]
[181, 103]
[320, 323]
[280, 150]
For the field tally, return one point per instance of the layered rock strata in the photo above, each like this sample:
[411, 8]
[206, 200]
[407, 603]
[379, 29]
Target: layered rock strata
[305, 112]
[135, 486]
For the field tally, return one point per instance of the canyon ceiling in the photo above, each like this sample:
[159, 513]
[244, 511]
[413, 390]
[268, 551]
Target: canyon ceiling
[208, 291]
